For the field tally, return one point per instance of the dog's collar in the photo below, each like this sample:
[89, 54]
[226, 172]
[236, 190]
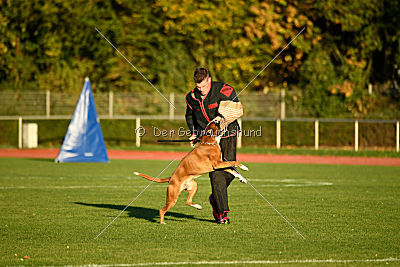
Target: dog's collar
[206, 143]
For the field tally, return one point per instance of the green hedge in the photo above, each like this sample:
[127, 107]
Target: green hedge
[9, 133]
[333, 134]
[255, 134]
[250, 132]
[377, 135]
[297, 133]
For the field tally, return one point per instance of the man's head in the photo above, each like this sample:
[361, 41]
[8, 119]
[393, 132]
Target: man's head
[202, 79]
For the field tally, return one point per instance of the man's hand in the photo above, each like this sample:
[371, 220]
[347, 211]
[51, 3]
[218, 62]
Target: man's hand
[194, 139]
[221, 121]
[217, 119]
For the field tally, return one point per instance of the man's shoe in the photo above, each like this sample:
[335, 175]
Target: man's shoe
[214, 206]
[224, 218]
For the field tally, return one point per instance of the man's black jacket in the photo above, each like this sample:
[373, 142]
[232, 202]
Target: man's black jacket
[199, 112]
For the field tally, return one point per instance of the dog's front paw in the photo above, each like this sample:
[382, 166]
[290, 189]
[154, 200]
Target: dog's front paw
[197, 206]
[243, 167]
[242, 179]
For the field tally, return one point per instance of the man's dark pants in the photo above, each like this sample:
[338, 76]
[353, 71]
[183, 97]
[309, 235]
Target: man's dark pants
[220, 180]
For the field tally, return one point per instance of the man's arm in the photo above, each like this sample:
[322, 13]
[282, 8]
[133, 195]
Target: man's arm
[189, 119]
[191, 122]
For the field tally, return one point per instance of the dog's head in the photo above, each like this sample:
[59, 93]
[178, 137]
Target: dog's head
[212, 133]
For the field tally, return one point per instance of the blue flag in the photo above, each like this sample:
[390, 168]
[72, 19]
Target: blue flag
[84, 140]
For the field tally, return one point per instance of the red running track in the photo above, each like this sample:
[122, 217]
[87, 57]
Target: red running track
[167, 155]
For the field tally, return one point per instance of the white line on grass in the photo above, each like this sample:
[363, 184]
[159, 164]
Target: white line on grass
[262, 183]
[138, 186]
[252, 262]
[294, 185]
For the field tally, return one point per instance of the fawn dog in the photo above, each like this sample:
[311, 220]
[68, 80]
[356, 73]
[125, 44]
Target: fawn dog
[202, 159]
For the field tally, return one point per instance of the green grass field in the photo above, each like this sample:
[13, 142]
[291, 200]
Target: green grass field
[52, 213]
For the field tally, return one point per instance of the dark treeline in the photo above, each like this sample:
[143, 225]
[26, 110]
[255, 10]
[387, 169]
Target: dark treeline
[346, 45]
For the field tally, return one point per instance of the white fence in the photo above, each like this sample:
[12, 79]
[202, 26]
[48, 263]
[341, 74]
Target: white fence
[278, 123]
[269, 107]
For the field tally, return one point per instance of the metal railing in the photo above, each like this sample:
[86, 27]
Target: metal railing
[277, 121]
[269, 107]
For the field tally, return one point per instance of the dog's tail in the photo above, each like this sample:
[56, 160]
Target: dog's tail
[157, 180]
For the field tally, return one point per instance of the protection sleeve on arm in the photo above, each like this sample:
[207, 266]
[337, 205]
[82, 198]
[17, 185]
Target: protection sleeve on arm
[230, 110]
[229, 107]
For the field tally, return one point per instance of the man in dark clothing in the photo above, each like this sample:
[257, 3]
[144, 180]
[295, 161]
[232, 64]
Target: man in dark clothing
[217, 101]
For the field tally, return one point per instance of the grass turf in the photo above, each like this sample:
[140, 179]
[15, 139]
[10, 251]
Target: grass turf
[52, 212]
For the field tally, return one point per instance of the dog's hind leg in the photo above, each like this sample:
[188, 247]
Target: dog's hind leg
[191, 187]
[173, 192]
